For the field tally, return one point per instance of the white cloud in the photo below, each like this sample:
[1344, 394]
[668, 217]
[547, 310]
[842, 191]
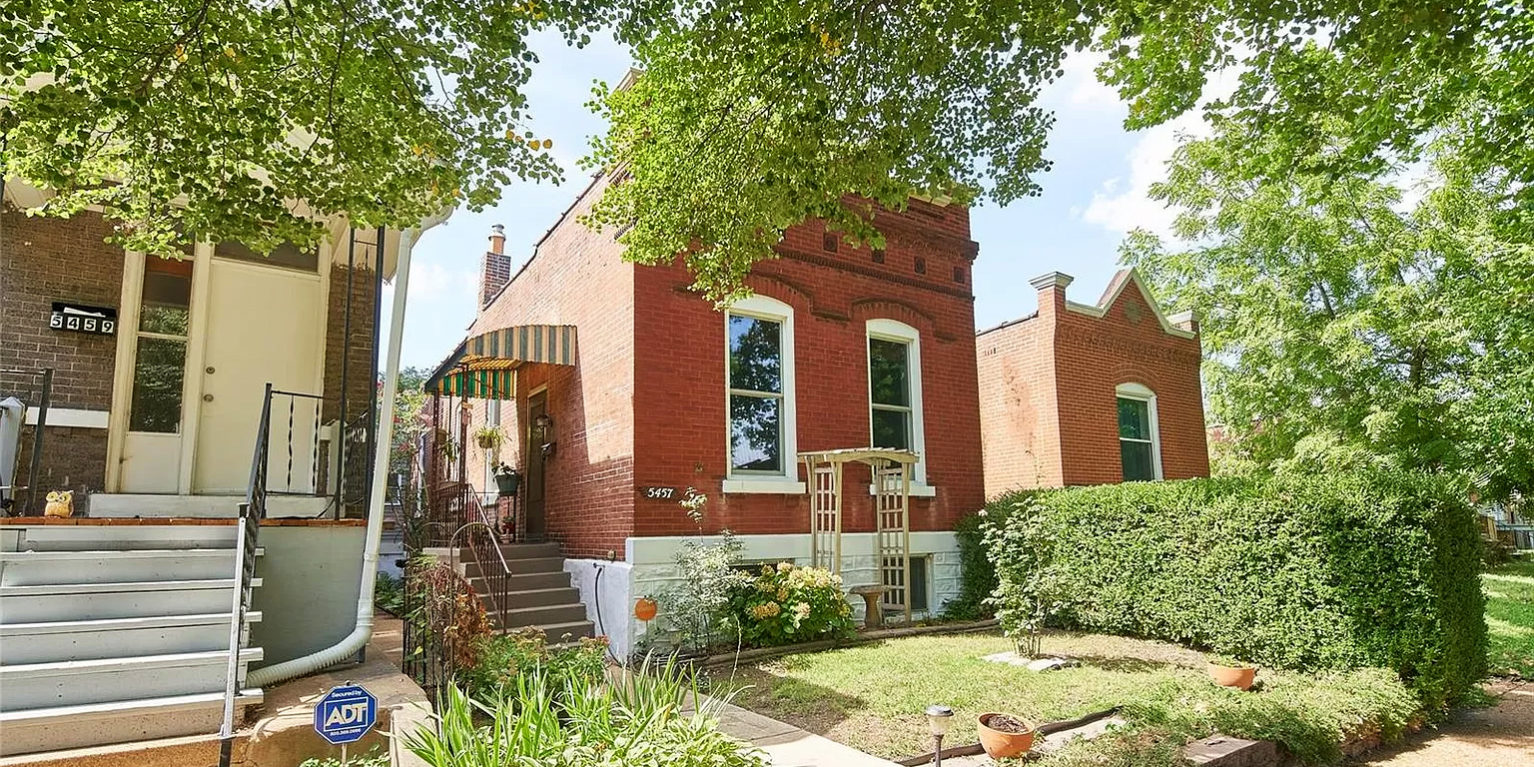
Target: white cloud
[1120, 204]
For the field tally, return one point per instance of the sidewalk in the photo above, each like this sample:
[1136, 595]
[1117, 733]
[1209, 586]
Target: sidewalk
[1501, 735]
[789, 746]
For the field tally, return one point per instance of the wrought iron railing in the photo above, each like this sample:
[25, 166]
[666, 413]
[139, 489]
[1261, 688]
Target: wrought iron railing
[246, 532]
[10, 502]
[493, 575]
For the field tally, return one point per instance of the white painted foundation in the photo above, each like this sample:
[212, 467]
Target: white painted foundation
[650, 566]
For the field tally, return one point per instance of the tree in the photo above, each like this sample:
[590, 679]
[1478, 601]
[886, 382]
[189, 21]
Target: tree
[409, 401]
[1344, 323]
[752, 115]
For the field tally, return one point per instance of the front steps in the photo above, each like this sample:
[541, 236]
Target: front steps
[111, 634]
[540, 595]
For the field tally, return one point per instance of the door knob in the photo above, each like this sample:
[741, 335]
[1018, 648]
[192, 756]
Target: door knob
[207, 398]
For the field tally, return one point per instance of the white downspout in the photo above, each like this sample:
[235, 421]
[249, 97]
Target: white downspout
[358, 638]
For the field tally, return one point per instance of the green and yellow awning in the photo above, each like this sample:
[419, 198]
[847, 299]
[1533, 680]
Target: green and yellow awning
[483, 366]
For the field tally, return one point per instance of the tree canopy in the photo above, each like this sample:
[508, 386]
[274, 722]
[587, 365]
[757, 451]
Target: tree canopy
[1362, 317]
[752, 115]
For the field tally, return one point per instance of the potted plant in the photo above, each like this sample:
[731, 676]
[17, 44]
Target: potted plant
[507, 480]
[1228, 672]
[489, 437]
[449, 448]
[1004, 736]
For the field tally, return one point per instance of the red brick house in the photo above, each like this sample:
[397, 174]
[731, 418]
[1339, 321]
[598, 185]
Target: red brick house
[1084, 394]
[632, 388]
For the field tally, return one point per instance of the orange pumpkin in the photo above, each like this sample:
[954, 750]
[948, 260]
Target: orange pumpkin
[645, 609]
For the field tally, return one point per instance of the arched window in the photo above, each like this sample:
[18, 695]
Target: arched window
[1139, 434]
[894, 391]
[759, 381]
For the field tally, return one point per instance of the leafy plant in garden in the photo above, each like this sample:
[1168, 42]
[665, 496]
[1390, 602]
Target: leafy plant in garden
[787, 604]
[379, 759]
[652, 716]
[694, 611]
[389, 594]
[977, 576]
[505, 657]
[445, 613]
[1340, 571]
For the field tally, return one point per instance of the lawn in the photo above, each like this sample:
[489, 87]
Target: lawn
[871, 697]
[1510, 618]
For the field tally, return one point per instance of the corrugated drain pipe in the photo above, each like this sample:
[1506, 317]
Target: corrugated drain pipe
[358, 638]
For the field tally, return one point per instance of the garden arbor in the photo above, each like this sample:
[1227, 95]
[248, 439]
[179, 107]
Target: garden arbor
[891, 475]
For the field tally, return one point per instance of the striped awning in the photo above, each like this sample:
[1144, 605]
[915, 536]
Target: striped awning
[482, 366]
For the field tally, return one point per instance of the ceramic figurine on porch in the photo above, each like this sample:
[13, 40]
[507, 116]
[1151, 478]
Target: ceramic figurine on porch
[60, 504]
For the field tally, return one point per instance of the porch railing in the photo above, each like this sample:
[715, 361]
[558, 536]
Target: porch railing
[493, 581]
[246, 531]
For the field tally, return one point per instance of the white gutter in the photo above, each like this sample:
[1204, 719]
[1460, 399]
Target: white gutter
[347, 648]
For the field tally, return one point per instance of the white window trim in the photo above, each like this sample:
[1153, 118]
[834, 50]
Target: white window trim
[1142, 393]
[786, 481]
[894, 330]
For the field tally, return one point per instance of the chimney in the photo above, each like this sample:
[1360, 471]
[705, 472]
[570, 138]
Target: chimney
[1187, 320]
[496, 271]
[1051, 287]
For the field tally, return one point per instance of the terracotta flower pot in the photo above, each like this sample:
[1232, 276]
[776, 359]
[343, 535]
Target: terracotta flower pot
[1238, 677]
[1000, 743]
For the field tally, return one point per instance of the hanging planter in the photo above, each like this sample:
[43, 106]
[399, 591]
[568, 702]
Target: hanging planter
[507, 480]
[489, 437]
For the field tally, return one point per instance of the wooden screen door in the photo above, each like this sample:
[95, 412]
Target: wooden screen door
[537, 405]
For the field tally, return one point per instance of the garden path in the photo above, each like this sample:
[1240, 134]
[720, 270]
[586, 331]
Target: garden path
[789, 746]
[1501, 735]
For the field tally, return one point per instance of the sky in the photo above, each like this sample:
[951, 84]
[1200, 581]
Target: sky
[1095, 193]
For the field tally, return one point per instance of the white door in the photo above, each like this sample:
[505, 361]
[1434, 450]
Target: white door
[158, 337]
[262, 327]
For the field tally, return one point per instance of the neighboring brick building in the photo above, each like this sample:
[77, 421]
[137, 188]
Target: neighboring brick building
[1081, 394]
[649, 406]
[164, 405]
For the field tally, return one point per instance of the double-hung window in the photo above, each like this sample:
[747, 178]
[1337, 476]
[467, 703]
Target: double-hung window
[1139, 448]
[894, 391]
[760, 382]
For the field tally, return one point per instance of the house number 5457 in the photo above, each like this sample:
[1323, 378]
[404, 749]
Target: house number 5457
[659, 493]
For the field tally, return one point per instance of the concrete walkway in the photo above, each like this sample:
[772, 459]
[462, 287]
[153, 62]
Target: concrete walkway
[789, 746]
[1498, 736]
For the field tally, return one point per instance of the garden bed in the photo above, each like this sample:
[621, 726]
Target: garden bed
[872, 696]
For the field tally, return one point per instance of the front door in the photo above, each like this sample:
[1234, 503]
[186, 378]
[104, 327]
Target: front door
[263, 326]
[537, 405]
[152, 444]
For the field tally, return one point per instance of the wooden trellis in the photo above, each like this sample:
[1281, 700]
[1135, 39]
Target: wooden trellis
[891, 470]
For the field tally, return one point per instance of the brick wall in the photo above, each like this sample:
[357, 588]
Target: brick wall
[356, 350]
[921, 278]
[1048, 387]
[44, 260]
[645, 404]
[578, 277]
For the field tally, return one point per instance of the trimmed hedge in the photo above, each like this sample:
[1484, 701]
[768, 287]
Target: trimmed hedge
[1341, 571]
[977, 576]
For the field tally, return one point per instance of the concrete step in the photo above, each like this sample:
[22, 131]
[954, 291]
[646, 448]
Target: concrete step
[82, 682]
[529, 550]
[540, 616]
[560, 633]
[25, 643]
[527, 582]
[93, 601]
[36, 568]
[543, 597]
[116, 537]
[61, 727]
[525, 566]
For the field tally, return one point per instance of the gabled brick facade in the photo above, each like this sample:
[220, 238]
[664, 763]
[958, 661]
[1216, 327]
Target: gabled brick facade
[645, 405]
[1048, 385]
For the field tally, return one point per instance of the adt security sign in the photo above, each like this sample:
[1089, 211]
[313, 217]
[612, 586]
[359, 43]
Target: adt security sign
[345, 714]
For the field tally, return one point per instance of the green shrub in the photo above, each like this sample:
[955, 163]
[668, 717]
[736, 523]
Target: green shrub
[503, 658]
[1341, 571]
[389, 594]
[649, 717]
[787, 604]
[977, 576]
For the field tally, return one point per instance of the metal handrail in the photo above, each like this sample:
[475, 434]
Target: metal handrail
[495, 571]
[247, 528]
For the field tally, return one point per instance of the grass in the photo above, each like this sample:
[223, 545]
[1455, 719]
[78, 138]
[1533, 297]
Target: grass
[871, 697]
[1510, 618]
